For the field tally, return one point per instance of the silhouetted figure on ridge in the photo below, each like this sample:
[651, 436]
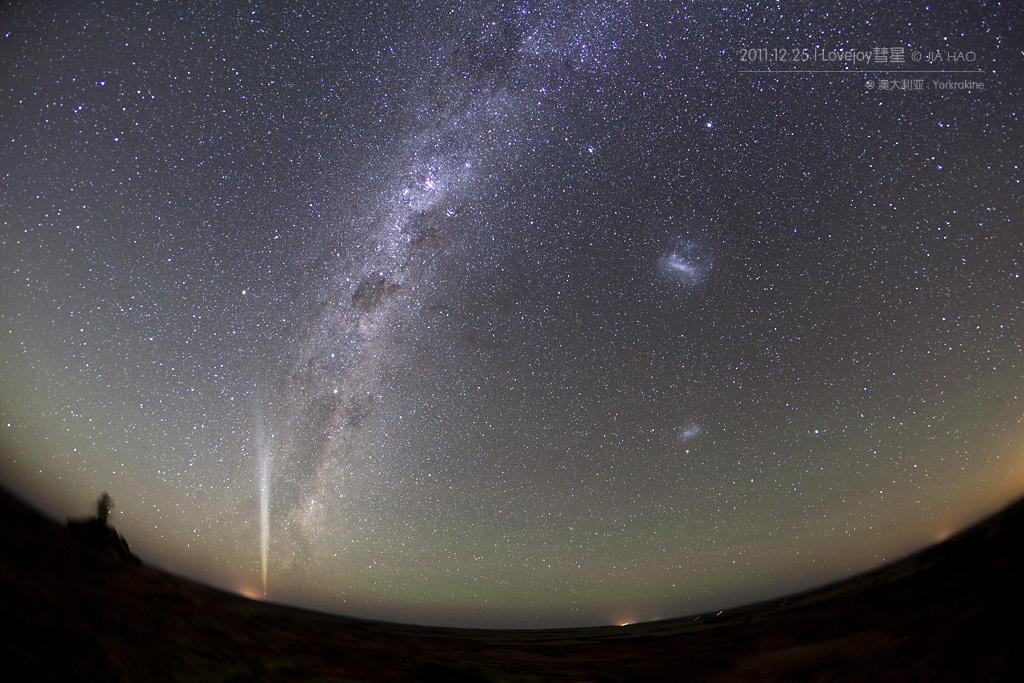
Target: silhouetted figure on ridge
[103, 506]
[95, 532]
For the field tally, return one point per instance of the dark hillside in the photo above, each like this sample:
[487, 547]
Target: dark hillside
[78, 609]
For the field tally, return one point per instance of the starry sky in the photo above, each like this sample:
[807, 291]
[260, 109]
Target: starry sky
[513, 314]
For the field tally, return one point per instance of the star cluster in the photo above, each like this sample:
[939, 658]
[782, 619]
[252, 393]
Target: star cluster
[510, 314]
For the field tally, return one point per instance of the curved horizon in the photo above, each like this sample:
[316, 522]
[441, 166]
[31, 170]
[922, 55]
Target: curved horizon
[554, 314]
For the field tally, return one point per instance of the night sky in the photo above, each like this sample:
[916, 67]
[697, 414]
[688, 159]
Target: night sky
[513, 314]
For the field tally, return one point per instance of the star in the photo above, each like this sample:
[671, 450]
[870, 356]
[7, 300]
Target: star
[501, 267]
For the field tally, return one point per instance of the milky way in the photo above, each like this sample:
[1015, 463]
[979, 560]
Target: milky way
[478, 100]
[511, 315]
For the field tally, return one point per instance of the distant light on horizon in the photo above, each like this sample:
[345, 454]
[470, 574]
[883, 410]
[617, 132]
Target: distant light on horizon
[508, 316]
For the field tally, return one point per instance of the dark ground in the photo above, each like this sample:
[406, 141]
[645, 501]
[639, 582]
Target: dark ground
[79, 608]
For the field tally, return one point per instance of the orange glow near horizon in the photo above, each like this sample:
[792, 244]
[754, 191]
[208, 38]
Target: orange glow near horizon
[250, 592]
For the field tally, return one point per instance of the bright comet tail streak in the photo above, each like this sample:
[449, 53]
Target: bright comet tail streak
[533, 314]
[264, 456]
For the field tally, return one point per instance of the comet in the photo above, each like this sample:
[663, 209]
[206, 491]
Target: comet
[264, 479]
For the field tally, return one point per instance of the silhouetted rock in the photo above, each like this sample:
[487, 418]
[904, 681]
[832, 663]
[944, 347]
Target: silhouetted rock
[948, 613]
[98, 536]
